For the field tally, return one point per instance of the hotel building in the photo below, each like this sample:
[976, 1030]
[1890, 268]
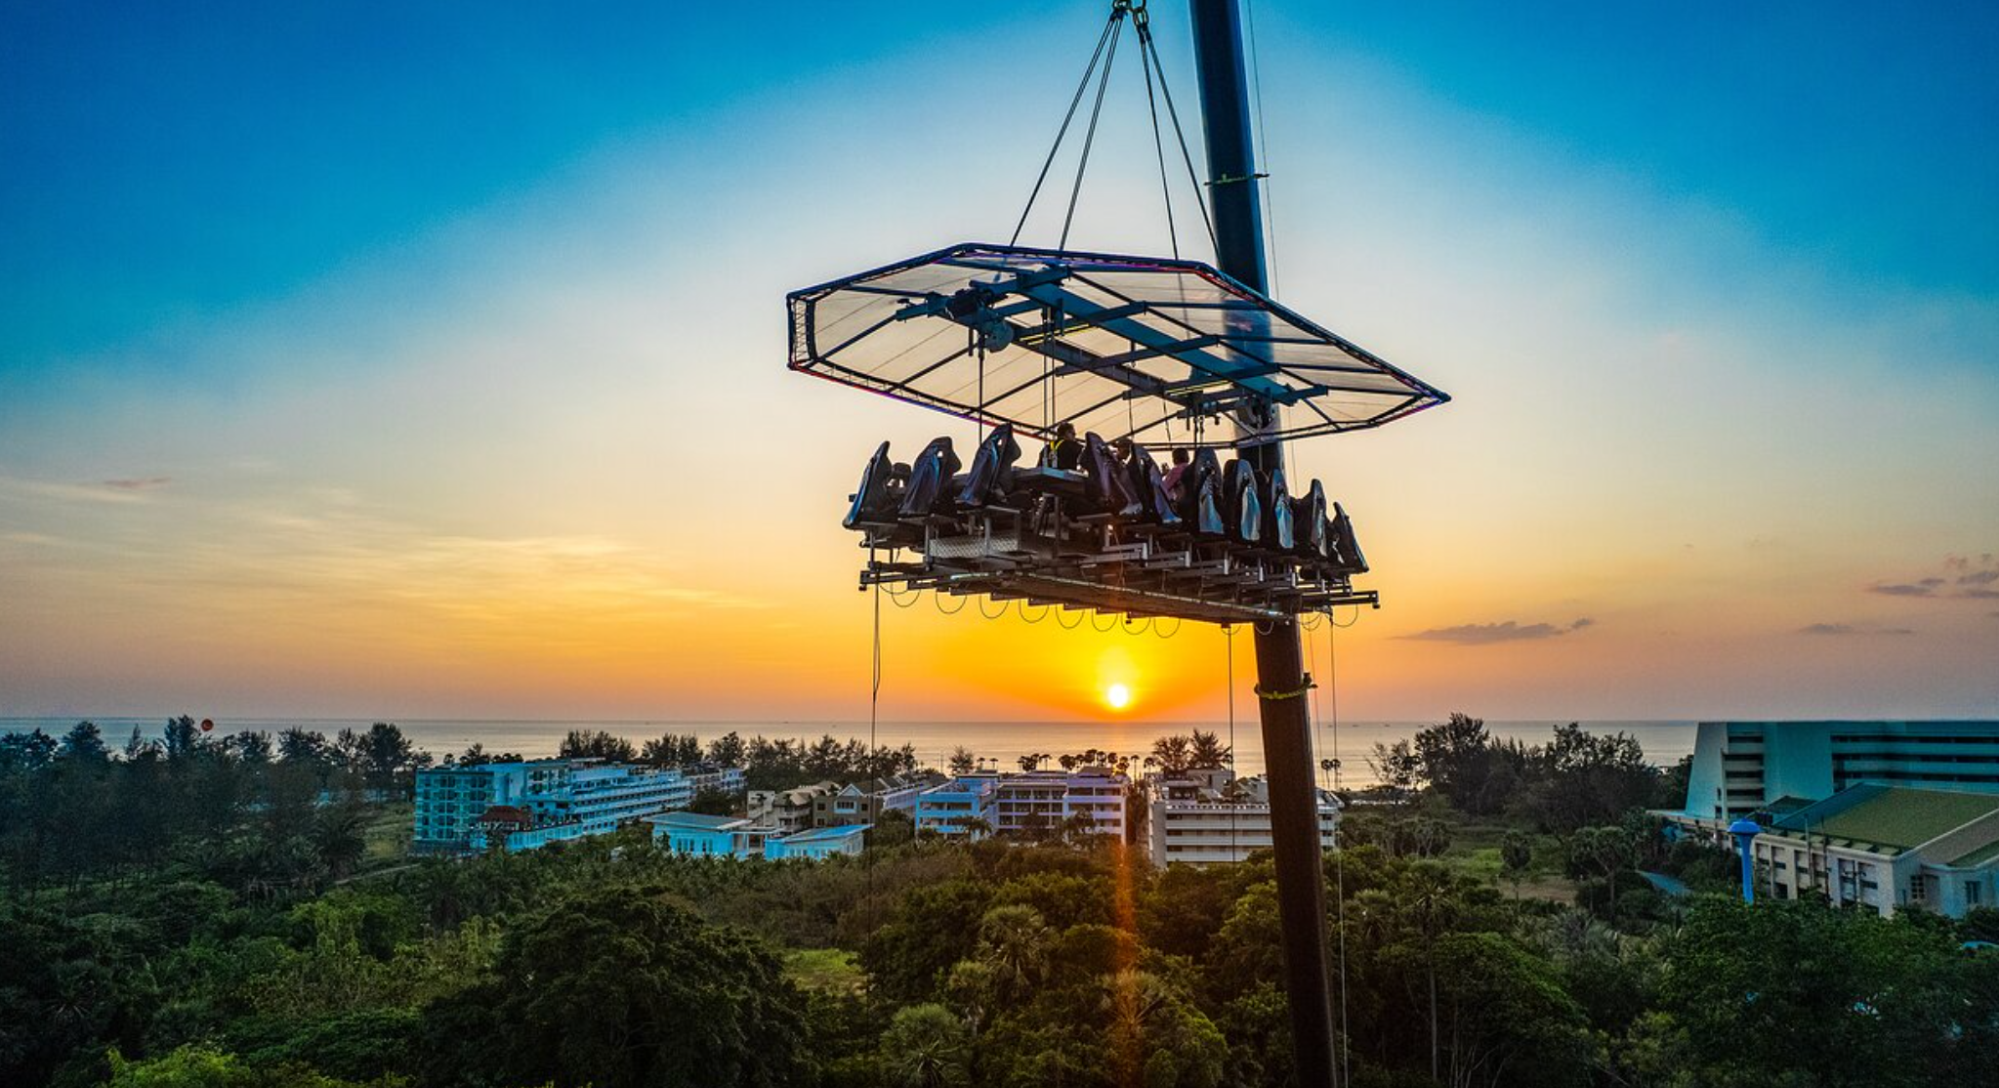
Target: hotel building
[1208, 817]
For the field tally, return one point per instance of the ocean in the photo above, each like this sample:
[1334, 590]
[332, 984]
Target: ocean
[1665, 742]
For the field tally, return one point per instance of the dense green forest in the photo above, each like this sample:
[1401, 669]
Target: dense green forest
[240, 913]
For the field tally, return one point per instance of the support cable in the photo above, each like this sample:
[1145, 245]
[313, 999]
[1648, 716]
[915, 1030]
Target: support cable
[1090, 136]
[1186, 156]
[1262, 154]
[1117, 15]
[1158, 140]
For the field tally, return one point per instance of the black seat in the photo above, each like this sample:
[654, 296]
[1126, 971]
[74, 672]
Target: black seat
[1309, 522]
[1151, 486]
[1109, 484]
[1202, 494]
[875, 501]
[991, 476]
[929, 475]
[1244, 509]
[1350, 558]
[1278, 528]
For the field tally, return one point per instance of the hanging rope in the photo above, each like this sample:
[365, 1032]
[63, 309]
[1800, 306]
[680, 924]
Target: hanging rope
[897, 599]
[1116, 19]
[1339, 853]
[1235, 813]
[1001, 614]
[939, 598]
[1069, 626]
[1177, 624]
[1045, 609]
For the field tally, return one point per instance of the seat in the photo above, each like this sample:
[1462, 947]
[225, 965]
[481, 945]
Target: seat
[929, 475]
[1278, 528]
[1110, 485]
[1244, 509]
[1350, 560]
[1309, 522]
[1150, 483]
[991, 476]
[876, 499]
[1201, 494]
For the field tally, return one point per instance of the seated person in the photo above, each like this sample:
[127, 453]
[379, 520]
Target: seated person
[1181, 462]
[1064, 451]
[1110, 479]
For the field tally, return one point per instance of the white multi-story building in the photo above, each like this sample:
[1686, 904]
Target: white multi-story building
[788, 810]
[1209, 817]
[1032, 803]
[1886, 848]
[541, 801]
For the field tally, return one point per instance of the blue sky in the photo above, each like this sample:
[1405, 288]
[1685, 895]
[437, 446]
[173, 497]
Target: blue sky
[354, 357]
[169, 159]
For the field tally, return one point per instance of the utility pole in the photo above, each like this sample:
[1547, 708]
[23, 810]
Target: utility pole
[1287, 730]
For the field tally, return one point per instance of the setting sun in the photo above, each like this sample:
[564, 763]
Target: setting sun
[1117, 696]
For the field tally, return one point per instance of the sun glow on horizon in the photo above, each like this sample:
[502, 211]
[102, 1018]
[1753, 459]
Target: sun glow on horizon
[1117, 696]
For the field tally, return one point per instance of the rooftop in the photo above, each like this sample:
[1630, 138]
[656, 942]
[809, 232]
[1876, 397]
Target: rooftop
[819, 833]
[695, 821]
[1895, 817]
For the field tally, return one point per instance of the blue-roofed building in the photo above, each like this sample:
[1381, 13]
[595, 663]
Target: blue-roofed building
[1885, 848]
[819, 843]
[695, 834]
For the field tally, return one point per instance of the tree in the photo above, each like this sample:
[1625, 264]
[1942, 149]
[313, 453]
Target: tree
[616, 986]
[304, 745]
[1395, 764]
[596, 744]
[85, 744]
[962, 761]
[727, 750]
[1604, 850]
[1455, 759]
[1205, 751]
[1173, 755]
[926, 1046]
[712, 802]
[1516, 853]
[1013, 942]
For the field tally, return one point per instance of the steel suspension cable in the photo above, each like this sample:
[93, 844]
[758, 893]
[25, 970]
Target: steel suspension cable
[1090, 135]
[1158, 139]
[1186, 156]
[1117, 17]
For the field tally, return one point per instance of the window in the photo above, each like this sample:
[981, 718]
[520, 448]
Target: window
[1971, 893]
[1916, 888]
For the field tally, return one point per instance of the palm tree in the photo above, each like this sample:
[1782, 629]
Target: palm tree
[1014, 943]
[925, 1047]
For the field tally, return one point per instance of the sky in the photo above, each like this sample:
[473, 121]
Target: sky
[430, 362]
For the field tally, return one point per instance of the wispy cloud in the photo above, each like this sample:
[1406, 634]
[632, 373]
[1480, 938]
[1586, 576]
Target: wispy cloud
[141, 483]
[1482, 634]
[1840, 629]
[1965, 578]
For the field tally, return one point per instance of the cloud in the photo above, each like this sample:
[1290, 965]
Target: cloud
[1978, 593]
[1979, 578]
[1483, 634]
[1903, 589]
[145, 483]
[1851, 629]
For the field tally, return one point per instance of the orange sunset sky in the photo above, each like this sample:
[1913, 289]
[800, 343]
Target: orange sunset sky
[516, 439]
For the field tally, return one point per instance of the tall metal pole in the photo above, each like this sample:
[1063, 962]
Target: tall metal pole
[1287, 731]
